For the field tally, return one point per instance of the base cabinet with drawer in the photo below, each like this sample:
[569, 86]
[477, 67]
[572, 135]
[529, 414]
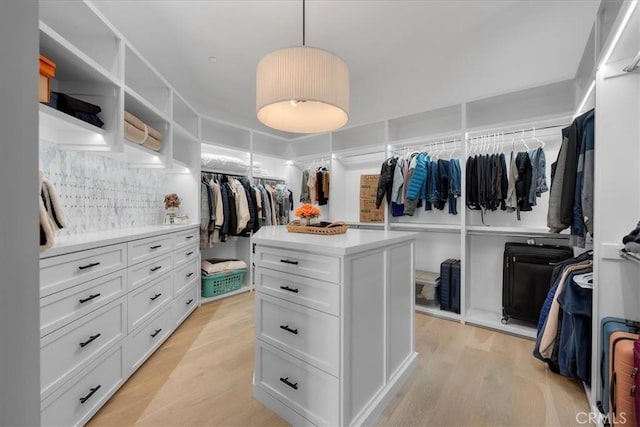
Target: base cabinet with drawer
[105, 307]
[334, 323]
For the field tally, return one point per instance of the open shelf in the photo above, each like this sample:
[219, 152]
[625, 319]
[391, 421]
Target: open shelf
[491, 320]
[442, 228]
[143, 80]
[242, 290]
[70, 132]
[436, 312]
[630, 256]
[517, 231]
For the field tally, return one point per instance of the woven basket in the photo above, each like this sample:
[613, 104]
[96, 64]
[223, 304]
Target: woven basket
[338, 227]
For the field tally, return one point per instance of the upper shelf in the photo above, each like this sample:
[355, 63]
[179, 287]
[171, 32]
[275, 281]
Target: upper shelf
[58, 127]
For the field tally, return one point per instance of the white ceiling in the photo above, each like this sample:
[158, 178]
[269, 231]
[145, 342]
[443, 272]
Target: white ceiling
[404, 56]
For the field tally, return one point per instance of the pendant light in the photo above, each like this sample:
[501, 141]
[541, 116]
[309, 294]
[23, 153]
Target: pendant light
[302, 89]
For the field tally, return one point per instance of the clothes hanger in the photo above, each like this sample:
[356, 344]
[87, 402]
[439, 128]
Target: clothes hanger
[533, 137]
[523, 141]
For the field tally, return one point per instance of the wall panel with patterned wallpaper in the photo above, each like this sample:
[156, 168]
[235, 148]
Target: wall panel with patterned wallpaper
[98, 193]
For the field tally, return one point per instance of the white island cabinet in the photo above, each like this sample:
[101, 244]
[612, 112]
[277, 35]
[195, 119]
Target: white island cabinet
[334, 323]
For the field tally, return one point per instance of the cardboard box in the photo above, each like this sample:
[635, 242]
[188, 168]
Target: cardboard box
[368, 186]
[368, 211]
[47, 72]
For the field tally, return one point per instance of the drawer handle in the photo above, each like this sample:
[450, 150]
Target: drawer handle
[286, 288]
[89, 298]
[155, 247]
[84, 267]
[190, 274]
[290, 384]
[153, 335]
[189, 253]
[190, 301]
[156, 268]
[87, 342]
[156, 296]
[189, 237]
[288, 329]
[91, 392]
[288, 261]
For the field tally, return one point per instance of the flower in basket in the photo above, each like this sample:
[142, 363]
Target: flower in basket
[171, 201]
[306, 212]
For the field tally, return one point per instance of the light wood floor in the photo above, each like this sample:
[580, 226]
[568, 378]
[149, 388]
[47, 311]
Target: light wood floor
[466, 376]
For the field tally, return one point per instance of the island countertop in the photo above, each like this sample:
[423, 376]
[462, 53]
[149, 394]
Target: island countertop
[351, 242]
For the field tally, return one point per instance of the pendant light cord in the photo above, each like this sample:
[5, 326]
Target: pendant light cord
[303, 23]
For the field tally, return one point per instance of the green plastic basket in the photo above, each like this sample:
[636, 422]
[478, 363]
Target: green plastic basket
[223, 282]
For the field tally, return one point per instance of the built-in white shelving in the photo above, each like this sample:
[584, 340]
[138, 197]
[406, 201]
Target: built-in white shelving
[493, 320]
[204, 300]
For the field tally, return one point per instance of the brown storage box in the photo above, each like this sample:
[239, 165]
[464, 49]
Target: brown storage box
[47, 72]
[368, 211]
[368, 186]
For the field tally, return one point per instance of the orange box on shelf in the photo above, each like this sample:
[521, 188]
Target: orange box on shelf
[47, 72]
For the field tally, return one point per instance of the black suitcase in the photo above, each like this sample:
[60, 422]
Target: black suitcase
[526, 278]
[449, 292]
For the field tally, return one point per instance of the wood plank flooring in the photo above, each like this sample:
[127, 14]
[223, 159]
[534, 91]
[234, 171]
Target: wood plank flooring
[466, 376]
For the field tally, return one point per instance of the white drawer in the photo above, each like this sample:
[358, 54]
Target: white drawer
[76, 402]
[316, 266]
[185, 303]
[61, 308]
[185, 238]
[142, 273]
[185, 254]
[64, 352]
[61, 272]
[323, 296]
[148, 299]
[144, 249]
[147, 338]
[185, 276]
[310, 392]
[308, 334]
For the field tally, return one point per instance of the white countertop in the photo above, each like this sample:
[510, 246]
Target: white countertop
[353, 241]
[79, 242]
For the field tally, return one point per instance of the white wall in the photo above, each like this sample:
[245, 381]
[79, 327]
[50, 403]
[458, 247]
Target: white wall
[19, 290]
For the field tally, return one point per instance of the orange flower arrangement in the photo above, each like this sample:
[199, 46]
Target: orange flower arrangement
[307, 211]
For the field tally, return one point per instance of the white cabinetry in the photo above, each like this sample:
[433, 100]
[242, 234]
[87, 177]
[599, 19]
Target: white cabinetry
[334, 323]
[105, 306]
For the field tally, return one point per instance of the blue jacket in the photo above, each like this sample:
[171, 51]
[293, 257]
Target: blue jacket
[418, 179]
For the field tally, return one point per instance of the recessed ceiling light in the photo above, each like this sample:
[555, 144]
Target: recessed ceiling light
[213, 59]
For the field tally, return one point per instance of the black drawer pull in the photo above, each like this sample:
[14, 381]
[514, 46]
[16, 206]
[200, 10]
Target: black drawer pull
[288, 329]
[155, 247]
[190, 301]
[87, 342]
[190, 274]
[153, 335]
[89, 298]
[288, 261]
[156, 296]
[84, 267]
[189, 253]
[290, 384]
[286, 288]
[189, 237]
[88, 396]
[156, 268]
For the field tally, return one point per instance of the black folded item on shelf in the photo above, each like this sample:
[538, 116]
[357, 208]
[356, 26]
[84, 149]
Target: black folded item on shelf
[69, 104]
[77, 108]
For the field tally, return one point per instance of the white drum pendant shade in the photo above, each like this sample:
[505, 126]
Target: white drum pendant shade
[302, 90]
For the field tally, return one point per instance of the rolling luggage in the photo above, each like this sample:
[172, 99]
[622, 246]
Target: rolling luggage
[622, 409]
[526, 278]
[450, 285]
[609, 326]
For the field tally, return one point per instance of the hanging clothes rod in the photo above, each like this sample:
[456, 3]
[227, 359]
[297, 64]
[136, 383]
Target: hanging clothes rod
[428, 144]
[515, 132]
[633, 65]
